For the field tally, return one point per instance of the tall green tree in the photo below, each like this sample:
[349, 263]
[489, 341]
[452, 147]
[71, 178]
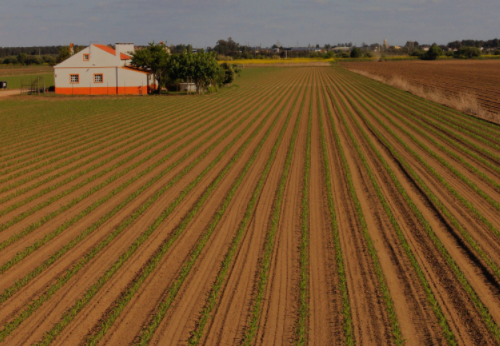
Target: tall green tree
[433, 53]
[357, 53]
[204, 70]
[154, 58]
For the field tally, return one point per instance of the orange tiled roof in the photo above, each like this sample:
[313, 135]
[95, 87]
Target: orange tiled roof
[112, 51]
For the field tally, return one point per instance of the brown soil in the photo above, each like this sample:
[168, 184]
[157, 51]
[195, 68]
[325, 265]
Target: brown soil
[348, 96]
[481, 78]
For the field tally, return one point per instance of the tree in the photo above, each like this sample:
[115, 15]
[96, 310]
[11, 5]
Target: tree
[22, 57]
[204, 70]
[433, 53]
[154, 58]
[228, 73]
[64, 54]
[357, 53]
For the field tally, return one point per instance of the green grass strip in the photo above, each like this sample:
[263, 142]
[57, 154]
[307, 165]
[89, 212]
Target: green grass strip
[382, 281]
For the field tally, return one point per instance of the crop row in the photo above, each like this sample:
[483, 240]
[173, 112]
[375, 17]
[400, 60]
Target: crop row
[265, 262]
[409, 113]
[425, 116]
[481, 175]
[151, 264]
[36, 225]
[125, 256]
[450, 167]
[156, 120]
[433, 303]
[382, 281]
[108, 126]
[339, 257]
[487, 319]
[212, 300]
[467, 236]
[21, 283]
[303, 285]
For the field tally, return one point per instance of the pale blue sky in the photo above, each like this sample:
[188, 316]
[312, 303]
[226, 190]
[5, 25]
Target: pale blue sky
[202, 23]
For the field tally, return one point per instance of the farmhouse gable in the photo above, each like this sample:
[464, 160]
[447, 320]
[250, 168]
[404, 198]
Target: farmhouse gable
[100, 69]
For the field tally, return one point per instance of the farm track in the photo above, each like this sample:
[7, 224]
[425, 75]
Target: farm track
[335, 210]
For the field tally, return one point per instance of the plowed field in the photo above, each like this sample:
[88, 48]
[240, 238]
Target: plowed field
[481, 78]
[309, 205]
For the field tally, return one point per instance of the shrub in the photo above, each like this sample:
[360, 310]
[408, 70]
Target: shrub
[417, 53]
[368, 54]
[356, 53]
[497, 52]
[467, 53]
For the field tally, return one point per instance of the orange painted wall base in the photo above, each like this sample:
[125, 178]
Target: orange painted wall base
[138, 90]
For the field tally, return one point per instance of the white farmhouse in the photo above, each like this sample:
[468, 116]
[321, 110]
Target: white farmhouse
[101, 70]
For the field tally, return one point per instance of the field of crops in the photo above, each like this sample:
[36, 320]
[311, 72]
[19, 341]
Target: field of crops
[480, 77]
[308, 205]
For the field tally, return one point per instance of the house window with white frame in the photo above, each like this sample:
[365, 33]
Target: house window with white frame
[98, 78]
[74, 79]
[85, 57]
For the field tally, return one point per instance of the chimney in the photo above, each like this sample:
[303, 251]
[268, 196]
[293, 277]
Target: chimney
[71, 48]
[125, 48]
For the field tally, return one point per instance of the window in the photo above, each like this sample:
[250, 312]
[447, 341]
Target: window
[74, 78]
[98, 78]
[85, 57]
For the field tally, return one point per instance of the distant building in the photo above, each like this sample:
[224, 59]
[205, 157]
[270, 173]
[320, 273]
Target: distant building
[386, 45]
[101, 70]
[275, 50]
[338, 49]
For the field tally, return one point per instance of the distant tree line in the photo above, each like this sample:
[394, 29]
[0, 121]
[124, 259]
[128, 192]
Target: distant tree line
[495, 43]
[15, 51]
